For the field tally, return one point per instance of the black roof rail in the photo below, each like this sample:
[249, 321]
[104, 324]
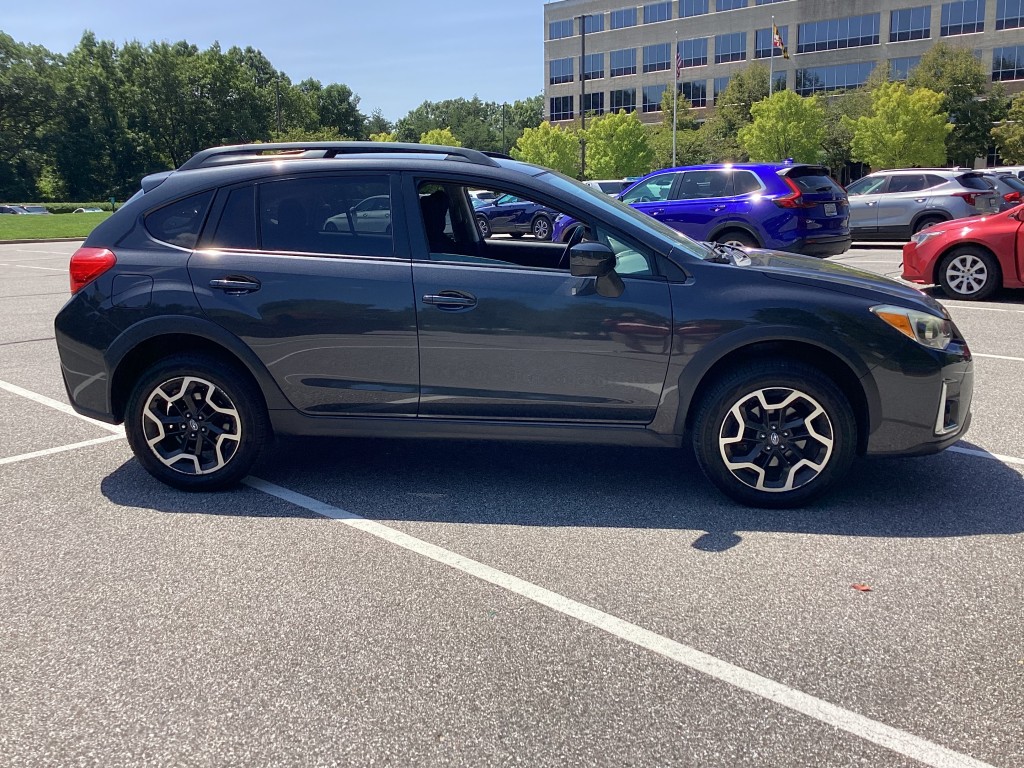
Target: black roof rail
[253, 153]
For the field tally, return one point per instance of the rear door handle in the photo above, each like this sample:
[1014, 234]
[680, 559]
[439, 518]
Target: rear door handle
[235, 286]
[450, 301]
[717, 208]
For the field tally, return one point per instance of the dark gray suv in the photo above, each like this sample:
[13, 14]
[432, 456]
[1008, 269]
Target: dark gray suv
[244, 295]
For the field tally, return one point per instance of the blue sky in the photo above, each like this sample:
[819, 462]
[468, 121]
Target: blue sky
[394, 54]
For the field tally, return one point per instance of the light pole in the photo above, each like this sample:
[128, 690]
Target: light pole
[583, 92]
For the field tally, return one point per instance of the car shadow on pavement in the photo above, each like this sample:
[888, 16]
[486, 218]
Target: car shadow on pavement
[949, 494]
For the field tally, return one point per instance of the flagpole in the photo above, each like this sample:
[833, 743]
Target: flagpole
[771, 61]
[675, 98]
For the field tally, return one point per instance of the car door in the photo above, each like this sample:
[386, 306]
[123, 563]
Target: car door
[499, 341]
[652, 195]
[510, 214]
[701, 201]
[329, 313]
[864, 195]
[905, 197]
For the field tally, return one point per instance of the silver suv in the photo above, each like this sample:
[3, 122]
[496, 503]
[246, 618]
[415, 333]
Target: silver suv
[893, 205]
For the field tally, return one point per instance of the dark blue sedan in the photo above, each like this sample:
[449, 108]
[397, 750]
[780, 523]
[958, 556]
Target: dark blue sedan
[511, 215]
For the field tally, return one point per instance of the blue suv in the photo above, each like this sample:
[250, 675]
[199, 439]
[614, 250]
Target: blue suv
[516, 216]
[781, 206]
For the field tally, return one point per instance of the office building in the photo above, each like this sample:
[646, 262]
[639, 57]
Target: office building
[628, 54]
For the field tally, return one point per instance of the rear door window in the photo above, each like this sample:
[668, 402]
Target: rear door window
[700, 185]
[907, 182]
[236, 227]
[180, 222]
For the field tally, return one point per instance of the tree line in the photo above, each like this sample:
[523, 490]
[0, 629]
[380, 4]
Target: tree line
[89, 124]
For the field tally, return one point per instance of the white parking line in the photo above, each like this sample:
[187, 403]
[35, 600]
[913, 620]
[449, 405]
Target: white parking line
[999, 357]
[48, 269]
[874, 731]
[981, 454]
[57, 405]
[966, 305]
[59, 449]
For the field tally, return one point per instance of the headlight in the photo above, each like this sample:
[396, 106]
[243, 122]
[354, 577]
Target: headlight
[924, 235]
[922, 327]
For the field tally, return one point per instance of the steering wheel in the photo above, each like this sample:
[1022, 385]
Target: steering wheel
[574, 239]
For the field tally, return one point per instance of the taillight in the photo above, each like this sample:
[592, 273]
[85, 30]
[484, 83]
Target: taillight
[794, 199]
[87, 264]
[1012, 197]
[970, 197]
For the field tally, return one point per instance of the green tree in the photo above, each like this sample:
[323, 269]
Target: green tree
[442, 136]
[1009, 134]
[376, 123]
[785, 125]
[551, 147]
[963, 83]
[906, 128]
[383, 136]
[618, 145]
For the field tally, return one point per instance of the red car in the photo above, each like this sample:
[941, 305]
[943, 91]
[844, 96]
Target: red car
[969, 258]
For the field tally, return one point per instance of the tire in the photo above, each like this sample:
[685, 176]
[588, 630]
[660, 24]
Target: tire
[541, 227]
[569, 232]
[969, 273]
[926, 222]
[230, 425]
[484, 226]
[737, 237]
[778, 463]
[516, 235]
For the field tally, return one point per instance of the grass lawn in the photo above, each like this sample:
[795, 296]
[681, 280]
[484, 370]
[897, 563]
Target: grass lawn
[46, 227]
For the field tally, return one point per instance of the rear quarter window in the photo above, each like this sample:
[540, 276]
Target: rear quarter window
[179, 223]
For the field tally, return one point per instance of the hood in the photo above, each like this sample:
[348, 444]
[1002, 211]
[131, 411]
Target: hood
[839, 277]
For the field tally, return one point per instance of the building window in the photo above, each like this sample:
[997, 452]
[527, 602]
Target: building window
[657, 12]
[763, 42]
[622, 99]
[657, 57]
[728, 5]
[838, 33]
[559, 29]
[1008, 63]
[561, 108]
[963, 17]
[652, 97]
[837, 78]
[593, 22]
[560, 71]
[779, 81]
[692, 8]
[593, 103]
[910, 24]
[721, 83]
[1009, 14]
[694, 53]
[732, 47]
[624, 17]
[593, 66]
[622, 62]
[899, 69]
[696, 92]
[768, 2]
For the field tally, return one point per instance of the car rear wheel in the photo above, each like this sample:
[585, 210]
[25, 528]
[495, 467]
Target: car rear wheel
[926, 222]
[541, 228]
[738, 238]
[484, 227]
[774, 434]
[196, 423]
[969, 273]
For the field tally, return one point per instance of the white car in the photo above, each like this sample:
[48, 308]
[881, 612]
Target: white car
[609, 186]
[370, 215]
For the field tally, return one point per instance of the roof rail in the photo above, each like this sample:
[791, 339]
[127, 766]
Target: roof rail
[253, 153]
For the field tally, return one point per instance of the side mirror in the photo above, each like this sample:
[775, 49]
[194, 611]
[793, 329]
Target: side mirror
[596, 260]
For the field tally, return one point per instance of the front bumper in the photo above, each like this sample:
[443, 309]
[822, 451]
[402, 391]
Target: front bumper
[923, 413]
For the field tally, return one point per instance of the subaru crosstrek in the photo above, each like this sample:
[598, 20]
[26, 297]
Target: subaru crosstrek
[782, 206]
[217, 309]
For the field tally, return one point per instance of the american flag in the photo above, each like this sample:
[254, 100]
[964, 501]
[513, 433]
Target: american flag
[679, 63]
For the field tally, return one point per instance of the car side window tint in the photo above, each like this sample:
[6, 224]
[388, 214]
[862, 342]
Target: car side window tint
[180, 222]
[866, 186]
[336, 215]
[974, 181]
[744, 182]
[655, 190]
[699, 185]
[906, 182]
[237, 225]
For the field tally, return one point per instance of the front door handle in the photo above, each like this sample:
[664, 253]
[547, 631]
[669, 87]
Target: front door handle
[450, 301]
[873, 202]
[234, 285]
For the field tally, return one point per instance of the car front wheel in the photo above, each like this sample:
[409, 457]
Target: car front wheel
[774, 434]
[541, 228]
[969, 273]
[195, 423]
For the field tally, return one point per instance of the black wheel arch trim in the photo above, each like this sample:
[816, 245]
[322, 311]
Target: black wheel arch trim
[736, 225]
[695, 371]
[182, 325]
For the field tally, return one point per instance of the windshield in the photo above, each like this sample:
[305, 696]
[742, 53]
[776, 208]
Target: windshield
[616, 210]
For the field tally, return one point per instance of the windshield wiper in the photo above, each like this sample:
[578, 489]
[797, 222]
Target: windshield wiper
[723, 253]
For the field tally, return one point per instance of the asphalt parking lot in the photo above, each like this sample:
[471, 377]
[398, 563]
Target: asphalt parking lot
[429, 603]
